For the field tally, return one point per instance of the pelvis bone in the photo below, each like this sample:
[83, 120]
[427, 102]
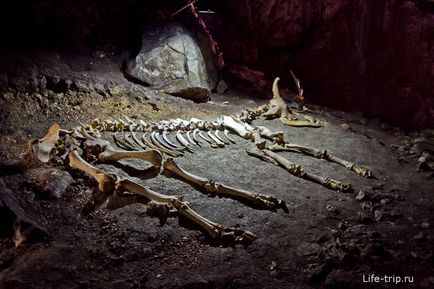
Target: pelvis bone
[215, 189]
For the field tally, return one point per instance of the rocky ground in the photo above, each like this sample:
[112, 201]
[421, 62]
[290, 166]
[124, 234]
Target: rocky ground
[327, 240]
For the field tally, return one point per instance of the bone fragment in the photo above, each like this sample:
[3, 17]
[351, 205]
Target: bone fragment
[299, 97]
[296, 170]
[43, 147]
[214, 230]
[215, 189]
[259, 142]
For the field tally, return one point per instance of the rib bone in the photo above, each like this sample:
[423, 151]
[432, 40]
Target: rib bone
[214, 230]
[215, 189]
[219, 143]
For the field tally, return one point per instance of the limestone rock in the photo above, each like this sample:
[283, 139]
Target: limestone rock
[171, 60]
[49, 183]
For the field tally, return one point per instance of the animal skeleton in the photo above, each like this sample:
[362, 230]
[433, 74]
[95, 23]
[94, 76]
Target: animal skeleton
[150, 142]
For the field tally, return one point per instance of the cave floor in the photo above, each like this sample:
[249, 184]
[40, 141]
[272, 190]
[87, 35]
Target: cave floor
[328, 239]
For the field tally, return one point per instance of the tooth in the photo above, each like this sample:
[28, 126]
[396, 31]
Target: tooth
[106, 182]
[183, 141]
[161, 147]
[171, 144]
[226, 132]
[111, 154]
[217, 135]
[217, 142]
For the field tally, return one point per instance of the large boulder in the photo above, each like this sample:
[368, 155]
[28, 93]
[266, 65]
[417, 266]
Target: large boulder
[171, 60]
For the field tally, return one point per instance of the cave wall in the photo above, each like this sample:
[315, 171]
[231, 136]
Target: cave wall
[358, 55]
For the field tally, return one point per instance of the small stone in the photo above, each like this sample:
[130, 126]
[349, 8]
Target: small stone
[420, 237]
[159, 276]
[378, 215]
[361, 195]
[365, 218]
[331, 208]
[425, 225]
[386, 201]
[222, 87]
[367, 206]
[273, 265]
[343, 226]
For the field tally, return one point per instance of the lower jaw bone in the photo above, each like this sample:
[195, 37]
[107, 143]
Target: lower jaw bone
[214, 230]
[152, 156]
[216, 189]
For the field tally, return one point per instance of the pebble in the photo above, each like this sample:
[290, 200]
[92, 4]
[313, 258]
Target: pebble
[420, 237]
[378, 215]
[365, 218]
[425, 225]
[361, 195]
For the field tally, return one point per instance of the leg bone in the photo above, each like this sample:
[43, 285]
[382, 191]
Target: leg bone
[296, 170]
[214, 230]
[215, 189]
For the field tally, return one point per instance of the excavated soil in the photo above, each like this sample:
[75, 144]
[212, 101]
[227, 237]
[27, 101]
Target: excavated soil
[327, 240]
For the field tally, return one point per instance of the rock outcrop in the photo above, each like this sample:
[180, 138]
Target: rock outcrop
[171, 60]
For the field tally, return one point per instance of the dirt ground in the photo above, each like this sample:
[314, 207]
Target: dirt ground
[327, 240]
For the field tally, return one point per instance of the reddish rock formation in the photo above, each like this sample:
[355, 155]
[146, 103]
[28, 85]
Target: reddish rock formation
[357, 55]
